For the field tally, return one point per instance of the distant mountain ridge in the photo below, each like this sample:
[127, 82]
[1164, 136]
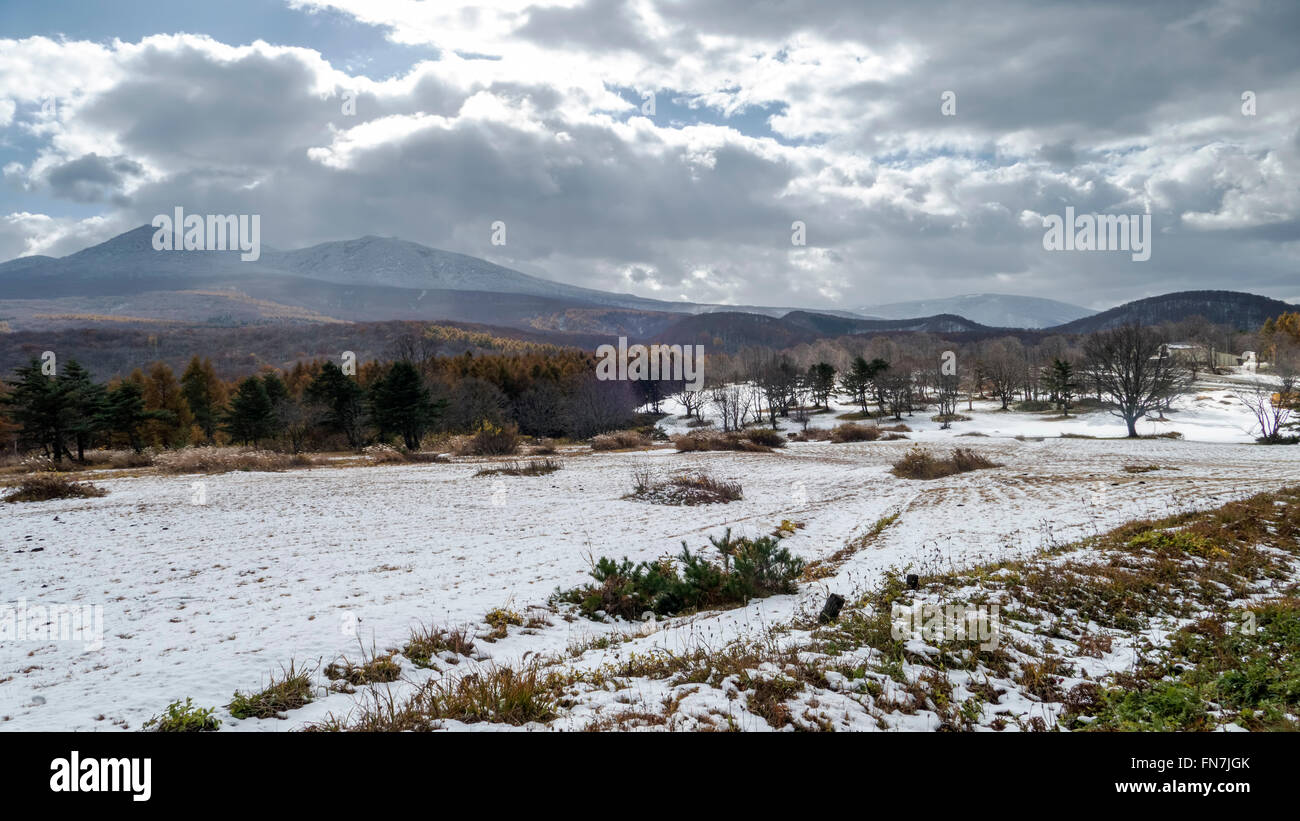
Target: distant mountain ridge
[373, 279]
[368, 261]
[993, 310]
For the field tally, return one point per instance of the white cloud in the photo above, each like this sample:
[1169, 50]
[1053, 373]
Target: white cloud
[1107, 107]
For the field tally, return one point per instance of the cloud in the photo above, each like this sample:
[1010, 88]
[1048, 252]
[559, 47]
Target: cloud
[767, 114]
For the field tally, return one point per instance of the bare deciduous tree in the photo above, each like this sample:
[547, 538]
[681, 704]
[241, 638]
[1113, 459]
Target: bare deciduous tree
[1134, 372]
[1271, 403]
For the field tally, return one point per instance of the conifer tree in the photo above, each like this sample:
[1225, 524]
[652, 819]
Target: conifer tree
[400, 404]
[249, 419]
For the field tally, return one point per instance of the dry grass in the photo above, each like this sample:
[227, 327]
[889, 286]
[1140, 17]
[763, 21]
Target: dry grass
[852, 432]
[43, 487]
[428, 643]
[225, 459]
[389, 455]
[620, 440]
[698, 488]
[534, 467]
[757, 440]
[919, 463]
[290, 691]
[491, 694]
[372, 669]
[546, 447]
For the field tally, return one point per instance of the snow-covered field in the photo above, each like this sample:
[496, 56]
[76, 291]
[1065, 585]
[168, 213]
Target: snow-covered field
[199, 600]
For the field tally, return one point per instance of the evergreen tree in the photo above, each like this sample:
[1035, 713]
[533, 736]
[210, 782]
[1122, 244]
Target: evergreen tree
[124, 412]
[41, 409]
[249, 419]
[821, 382]
[1061, 383]
[85, 403]
[400, 404]
[278, 394]
[341, 400]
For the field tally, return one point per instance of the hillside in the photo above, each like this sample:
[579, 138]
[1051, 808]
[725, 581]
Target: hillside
[1239, 310]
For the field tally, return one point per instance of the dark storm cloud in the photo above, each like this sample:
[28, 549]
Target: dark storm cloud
[91, 178]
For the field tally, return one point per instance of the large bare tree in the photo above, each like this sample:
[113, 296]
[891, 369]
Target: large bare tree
[1133, 371]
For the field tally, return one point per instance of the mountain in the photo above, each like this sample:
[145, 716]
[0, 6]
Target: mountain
[734, 330]
[830, 325]
[366, 279]
[1234, 308]
[124, 282]
[994, 310]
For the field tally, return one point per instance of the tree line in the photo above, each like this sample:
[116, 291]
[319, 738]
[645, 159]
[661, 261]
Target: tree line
[312, 405]
[554, 393]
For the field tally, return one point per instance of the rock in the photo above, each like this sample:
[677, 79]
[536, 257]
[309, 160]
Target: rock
[831, 610]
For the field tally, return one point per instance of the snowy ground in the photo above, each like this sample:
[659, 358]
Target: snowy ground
[199, 600]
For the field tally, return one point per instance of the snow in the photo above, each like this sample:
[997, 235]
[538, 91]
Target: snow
[201, 600]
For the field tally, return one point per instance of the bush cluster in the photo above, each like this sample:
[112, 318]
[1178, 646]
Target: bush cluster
[750, 568]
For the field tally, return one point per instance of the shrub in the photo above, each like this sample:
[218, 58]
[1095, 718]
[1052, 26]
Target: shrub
[768, 437]
[42, 487]
[184, 718]
[620, 440]
[545, 447]
[292, 691]
[950, 417]
[853, 432]
[918, 463]
[501, 620]
[490, 440]
[1033, 406]
[687, 489]
[702, 440]
[750, 568]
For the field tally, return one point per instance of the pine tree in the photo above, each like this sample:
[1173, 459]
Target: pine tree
[249, 419]
[401, 404]
[341, 400]
[1061, 383]
[41, 409]
[278, 394]
[85, 404]
[821, 381]
[124, 412]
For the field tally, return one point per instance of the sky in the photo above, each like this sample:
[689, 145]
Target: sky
[919, 145]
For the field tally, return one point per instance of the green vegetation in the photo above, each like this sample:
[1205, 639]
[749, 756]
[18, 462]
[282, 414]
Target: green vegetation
[184, 718]
[750, 568]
